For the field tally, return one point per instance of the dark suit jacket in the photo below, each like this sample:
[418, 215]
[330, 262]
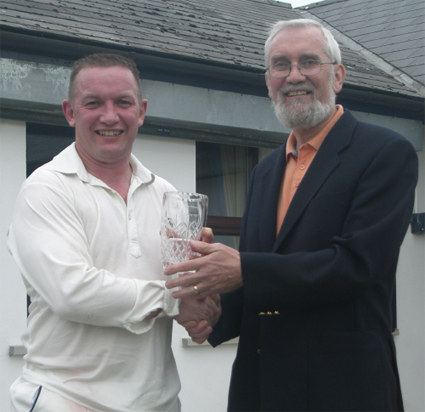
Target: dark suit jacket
[314, 315]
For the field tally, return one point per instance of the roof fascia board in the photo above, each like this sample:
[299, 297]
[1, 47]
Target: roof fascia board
[152, 65]
[174, 69]
[155, 65]
[34, 92]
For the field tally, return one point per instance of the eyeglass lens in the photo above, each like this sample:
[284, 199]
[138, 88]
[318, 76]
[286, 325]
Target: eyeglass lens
[306, 68]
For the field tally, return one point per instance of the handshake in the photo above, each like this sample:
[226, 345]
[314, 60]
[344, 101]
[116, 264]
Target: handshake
[217, 270]
[198, 316]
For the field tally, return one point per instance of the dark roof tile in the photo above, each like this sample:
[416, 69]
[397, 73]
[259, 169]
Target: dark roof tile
[229, 33]
[391, 29]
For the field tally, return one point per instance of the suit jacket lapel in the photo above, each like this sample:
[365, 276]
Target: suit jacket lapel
[270, 188]
[325, 161]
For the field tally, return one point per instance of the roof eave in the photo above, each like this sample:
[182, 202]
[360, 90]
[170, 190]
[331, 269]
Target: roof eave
[188, 70]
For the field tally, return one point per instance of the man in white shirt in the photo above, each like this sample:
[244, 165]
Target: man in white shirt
[85, 236]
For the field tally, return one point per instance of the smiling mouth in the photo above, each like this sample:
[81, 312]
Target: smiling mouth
[297, 93]
[109, 132]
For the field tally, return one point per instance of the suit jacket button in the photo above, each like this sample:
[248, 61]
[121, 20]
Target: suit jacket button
[258, 351]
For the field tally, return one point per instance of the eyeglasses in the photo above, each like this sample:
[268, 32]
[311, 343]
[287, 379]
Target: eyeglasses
[281, 69]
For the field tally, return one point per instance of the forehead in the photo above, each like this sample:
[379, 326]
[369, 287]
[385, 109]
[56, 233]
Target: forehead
[297, 41]
[101, 80]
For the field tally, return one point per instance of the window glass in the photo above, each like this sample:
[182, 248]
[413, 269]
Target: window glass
[222, 173]
[44, 142]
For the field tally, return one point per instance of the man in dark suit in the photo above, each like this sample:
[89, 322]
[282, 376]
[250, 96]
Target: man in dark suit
[309, 293]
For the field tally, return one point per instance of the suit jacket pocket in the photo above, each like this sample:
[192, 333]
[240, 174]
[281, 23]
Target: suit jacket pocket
[346, 373]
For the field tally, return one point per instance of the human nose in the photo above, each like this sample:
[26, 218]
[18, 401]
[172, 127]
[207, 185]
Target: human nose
[109, 114]
[295, 75]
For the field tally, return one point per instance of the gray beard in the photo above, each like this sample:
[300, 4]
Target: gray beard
[312, 114]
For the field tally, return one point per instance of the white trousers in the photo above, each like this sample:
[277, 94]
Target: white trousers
[29, 397]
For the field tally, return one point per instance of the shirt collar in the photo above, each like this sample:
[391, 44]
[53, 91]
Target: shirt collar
[317, 140]
[69, 162]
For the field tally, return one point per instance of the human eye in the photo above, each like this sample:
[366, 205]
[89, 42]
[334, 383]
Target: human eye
[124, 102]
[280, 65]
[309, 64]
[91, 103]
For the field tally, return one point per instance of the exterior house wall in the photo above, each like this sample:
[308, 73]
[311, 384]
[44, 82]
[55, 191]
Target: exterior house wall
[410, 343]
[12, 290]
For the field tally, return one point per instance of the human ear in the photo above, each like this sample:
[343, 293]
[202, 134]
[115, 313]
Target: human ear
[339, 78]
[143, 107]
[266, 75]
[68, 111]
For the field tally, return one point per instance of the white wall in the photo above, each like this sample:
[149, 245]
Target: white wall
[204, 371]
[411, 309]
[12, 291]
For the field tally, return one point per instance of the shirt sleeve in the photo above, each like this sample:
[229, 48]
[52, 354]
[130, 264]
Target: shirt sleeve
[50, 247]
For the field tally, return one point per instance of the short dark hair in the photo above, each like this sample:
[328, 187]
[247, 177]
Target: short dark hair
[103, 60]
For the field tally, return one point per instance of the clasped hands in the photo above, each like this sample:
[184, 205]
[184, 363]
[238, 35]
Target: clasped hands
[198, 316]
[217, 270]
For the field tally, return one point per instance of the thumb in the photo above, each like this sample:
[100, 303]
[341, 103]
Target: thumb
[207, 235]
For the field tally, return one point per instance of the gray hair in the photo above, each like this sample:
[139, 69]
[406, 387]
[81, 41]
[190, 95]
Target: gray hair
[332, 47]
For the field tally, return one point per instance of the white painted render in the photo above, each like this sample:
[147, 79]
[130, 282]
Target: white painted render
[12, 290]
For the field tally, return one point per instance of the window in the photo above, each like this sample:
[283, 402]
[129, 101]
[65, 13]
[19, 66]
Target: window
[44, 142]
[222, 173]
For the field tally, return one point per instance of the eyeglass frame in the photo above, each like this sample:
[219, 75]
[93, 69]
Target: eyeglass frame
[299, 69]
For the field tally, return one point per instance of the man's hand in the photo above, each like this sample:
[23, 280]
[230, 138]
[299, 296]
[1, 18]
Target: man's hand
[198, 316]
[218, 270]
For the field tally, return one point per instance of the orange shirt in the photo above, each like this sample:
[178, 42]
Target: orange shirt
[297, 165]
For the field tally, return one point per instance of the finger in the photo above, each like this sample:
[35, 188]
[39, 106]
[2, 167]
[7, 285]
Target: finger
[203, 248]
[192, 265]
[207, 235]
[216, 299]
[199, 330]
[186, 266]
[199, 341]
[201, 337]
[186, 280]
[188, 292]
[190, 324]
[196, 328]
